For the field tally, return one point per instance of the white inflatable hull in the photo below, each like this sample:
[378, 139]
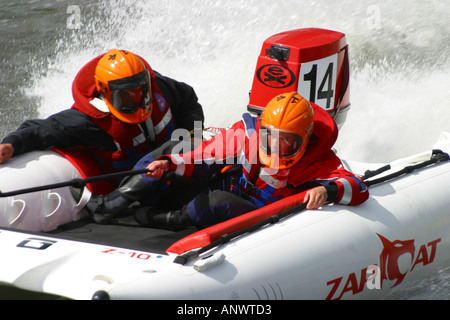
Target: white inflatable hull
[375, 250]
[37, 211]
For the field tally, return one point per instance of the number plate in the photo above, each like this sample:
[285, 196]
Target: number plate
[317, 81]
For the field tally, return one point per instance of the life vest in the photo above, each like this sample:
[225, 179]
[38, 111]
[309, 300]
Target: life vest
[132, 140]
[254, 182]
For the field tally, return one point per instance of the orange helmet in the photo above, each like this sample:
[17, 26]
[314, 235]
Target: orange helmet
[124, 84]
[286, 125]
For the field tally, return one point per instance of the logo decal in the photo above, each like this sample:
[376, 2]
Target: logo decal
[36, 243]
[389, 258]
[275, 76]
[388, 268]
[161, 101]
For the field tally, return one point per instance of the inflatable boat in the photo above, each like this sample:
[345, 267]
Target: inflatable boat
[399, 236]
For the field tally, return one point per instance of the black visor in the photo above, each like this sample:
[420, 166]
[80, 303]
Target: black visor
[131, 93]
[286, 144]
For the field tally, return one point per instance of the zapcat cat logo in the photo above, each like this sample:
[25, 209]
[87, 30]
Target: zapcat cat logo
[391, 267]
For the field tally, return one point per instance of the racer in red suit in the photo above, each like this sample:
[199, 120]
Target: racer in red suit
[285, 151]
[105, 119]
[304, 161]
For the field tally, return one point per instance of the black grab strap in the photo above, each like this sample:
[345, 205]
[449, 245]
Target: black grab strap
[436, 157]
[76, 182]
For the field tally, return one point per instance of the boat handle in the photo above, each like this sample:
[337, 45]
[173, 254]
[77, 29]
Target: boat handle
[14, 204]
[209, 262]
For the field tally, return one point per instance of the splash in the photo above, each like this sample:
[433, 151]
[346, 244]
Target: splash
[399, 60]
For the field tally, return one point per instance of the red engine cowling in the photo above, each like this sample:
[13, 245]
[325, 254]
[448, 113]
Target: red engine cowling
[314, 62]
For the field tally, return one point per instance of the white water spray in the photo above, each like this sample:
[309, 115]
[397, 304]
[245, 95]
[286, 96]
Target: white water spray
[398, 52]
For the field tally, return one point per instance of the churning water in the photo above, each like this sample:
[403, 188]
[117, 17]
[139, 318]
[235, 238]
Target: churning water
[400, 62]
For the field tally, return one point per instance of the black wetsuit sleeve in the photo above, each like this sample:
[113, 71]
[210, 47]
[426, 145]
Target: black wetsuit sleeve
[182, 100]
[68, 128]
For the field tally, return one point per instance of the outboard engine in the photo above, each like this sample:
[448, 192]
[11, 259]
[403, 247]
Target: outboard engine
[314, 62]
